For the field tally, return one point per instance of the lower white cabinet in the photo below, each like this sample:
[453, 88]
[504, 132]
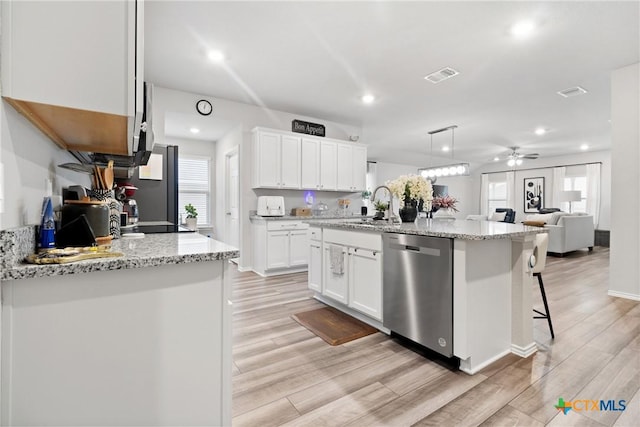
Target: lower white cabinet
[279, 246]
[336, 285]
[360, 284]
[365, 286]
[315, 259]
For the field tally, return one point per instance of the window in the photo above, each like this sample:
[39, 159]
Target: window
[497, 195]
[194, 187]
[576, 183]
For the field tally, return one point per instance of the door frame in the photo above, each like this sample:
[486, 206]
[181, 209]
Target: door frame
[227, 194]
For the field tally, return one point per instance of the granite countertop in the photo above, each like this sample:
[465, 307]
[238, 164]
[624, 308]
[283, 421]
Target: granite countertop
[307, 218]
[453, 229]
[152, 250]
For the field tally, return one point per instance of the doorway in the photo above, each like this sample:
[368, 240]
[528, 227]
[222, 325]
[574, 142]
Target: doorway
[232, 199]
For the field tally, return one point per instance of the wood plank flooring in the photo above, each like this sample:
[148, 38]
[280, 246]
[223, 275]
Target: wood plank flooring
[285, 375]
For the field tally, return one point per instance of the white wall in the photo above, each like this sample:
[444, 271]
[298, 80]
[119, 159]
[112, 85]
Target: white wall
[30, 158]
[624, 277]
[543, 167]
[247, 117]
[459, 187]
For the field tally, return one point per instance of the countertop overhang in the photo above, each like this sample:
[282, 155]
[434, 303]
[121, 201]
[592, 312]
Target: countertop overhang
[151, 251]
[453, 229]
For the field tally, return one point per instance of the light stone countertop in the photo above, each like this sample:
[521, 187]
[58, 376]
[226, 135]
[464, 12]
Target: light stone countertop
[453, 229]
[152, 250]
[307, 218]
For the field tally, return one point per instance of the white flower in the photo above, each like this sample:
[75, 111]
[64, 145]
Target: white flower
[413, 186]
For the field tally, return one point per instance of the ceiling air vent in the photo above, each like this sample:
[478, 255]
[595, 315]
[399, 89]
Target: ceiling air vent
[441, 75]
[572, 91]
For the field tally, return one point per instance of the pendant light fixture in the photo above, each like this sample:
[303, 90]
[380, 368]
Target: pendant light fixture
[457, 169]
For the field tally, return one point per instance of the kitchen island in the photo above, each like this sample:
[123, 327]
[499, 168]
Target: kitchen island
[143, 339]
[492, 285]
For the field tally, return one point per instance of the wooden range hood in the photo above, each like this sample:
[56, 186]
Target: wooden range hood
[77, 130]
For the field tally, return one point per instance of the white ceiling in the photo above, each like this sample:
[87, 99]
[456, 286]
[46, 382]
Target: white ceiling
[318, 58]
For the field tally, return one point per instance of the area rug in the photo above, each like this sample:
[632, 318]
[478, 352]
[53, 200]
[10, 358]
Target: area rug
[333, 326]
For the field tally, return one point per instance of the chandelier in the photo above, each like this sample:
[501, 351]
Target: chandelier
[433, 173]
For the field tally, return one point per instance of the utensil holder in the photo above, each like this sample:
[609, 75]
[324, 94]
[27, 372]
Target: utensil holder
[115, 209]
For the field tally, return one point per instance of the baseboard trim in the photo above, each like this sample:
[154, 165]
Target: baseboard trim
[633, 297]
[243, 269]
[524, 351]
[280, 272]
[472, 371]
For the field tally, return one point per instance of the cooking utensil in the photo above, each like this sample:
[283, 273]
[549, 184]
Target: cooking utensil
[99, 178]
[108, 176]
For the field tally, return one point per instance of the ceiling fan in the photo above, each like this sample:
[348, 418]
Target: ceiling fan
[515, 158]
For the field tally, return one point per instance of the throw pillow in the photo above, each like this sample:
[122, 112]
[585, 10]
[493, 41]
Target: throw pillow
[534, 223]
[555, 217]
[497, 216]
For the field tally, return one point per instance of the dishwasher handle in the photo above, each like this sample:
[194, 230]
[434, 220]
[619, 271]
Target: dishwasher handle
[416, 249]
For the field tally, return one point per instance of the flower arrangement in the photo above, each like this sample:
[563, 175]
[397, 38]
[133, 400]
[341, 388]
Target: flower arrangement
[445, 202]
[411, 188]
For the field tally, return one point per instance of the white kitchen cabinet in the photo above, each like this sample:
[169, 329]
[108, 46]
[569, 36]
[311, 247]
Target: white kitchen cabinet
[277, 249]
[59, 57]
[328, 166]
[336, 285]
[360, 285]
[298, 248]
[279, 246]
[365, 284]
[315, 259]
[310, 164]
[351, 167]
[276, 160]
[285, 160]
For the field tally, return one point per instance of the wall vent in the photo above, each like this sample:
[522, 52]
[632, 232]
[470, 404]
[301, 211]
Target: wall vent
[441, 75]
[572, 91]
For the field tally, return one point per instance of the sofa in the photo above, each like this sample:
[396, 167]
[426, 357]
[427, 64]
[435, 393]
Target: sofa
[500, 215]
[567, 232]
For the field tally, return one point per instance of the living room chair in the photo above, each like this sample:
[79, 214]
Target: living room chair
[540, 253]
[510, 214]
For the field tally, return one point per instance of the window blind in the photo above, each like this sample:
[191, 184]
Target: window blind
[194, 186]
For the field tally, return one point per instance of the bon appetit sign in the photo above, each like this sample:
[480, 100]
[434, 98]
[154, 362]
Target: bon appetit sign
[308, 128]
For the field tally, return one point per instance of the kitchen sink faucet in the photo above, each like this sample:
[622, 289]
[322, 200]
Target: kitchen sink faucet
[392, 218]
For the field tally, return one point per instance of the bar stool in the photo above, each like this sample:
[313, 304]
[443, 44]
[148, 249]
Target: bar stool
[540, 253]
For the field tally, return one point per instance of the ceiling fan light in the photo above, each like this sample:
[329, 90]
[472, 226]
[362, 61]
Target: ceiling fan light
[511, 162]
[518, 162]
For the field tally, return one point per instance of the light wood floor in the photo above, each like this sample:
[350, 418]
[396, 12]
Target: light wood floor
[285, 375]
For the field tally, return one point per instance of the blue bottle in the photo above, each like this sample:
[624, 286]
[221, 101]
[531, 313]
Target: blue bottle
[46, 239]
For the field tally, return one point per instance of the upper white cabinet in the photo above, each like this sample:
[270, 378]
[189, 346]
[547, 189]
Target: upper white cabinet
[75, 70]
[320, 165]
[351, 167]
[276, 160]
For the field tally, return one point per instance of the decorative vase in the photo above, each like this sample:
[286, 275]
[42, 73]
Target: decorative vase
[115, 209]
[191, 223]
[409, 211]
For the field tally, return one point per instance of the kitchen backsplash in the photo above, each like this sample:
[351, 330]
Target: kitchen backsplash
[296, 199]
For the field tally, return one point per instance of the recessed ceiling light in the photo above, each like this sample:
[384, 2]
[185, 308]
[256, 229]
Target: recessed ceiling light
[194, 130]
[495, 159]
[368, 99]
[216, 56]
[445, 148]
[540, 131]
[522, 29]
[584, 147]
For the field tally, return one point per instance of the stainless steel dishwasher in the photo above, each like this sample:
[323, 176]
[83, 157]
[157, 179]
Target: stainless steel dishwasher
[418, 289]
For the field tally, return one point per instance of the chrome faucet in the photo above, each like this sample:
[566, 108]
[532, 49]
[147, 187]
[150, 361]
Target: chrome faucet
[392, 218]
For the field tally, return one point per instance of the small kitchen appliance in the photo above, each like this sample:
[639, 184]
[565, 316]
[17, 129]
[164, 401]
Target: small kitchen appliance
[124, 193]
[271, 206]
